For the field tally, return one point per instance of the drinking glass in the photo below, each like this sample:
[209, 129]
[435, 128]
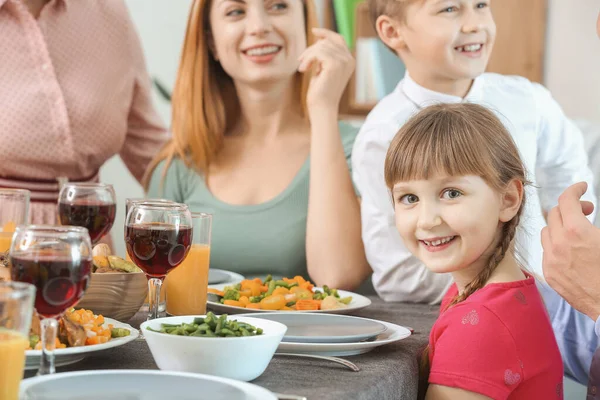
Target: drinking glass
[130, 201]
[57, 260]
[187, 285]
[90, 205]
[14, 210]
[158, 237]
[16, 309]
[162, 305]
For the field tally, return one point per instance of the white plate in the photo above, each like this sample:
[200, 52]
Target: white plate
[219, 276]
[324, 328]
[392, 334]
[138, 385]
[71, 355]
[358, 302]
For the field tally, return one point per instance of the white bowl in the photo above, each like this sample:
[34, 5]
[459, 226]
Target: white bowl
[243, 358]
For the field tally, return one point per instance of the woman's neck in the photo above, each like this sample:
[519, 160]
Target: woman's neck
[267, 111]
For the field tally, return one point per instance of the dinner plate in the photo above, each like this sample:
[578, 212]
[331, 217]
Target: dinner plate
[392, 334]
[324, 328]
[138, 385]
[216, 276]
[71, 355]
[358, 302]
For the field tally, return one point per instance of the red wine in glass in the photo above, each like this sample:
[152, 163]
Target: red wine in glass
[157, 248]
[97, 217]
[60, 281]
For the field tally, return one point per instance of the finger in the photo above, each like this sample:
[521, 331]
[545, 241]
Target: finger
[571, 209]
[547, 246]
[554, 220]
[587, 207]
[322, 33]
[320, 53]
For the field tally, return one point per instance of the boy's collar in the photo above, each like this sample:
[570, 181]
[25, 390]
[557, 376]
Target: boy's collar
[423, 97]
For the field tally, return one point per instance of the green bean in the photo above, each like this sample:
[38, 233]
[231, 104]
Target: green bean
[210, 326]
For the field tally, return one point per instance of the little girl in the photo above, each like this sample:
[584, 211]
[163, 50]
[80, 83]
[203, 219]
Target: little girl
[457, 183]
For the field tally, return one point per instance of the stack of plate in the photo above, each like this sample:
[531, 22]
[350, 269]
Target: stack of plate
[333, 335]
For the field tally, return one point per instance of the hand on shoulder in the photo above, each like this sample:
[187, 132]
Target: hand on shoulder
[571, 245]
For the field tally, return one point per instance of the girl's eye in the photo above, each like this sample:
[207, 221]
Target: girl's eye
[279, 6]
[449, 9]
[235, 13]
[409, 199]
[482, 5]
[451, 194]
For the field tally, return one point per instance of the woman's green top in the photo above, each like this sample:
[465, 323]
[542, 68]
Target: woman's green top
[253, 240]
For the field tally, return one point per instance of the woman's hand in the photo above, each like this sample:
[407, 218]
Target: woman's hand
[333, 65]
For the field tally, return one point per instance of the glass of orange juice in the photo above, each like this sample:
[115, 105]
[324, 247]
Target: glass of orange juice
[186, 285]
[16, 309]
[14, 210]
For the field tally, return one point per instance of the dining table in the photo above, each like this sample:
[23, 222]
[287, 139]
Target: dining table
[386, 372]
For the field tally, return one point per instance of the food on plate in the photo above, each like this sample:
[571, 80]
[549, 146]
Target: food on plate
[211, 326]
[77, 328]
[296, 294]
[106, 262]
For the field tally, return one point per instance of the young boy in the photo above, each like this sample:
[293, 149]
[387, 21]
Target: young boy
[446, 46]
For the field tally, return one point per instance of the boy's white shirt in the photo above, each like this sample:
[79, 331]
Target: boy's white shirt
[551, 147]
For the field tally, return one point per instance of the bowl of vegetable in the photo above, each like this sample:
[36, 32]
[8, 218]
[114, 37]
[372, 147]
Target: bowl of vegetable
[227, 346]
[117, 287]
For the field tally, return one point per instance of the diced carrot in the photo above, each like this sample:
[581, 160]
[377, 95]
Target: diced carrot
[299, 279]
[246, 292]
[244, 300]
[233, 303]
[215, 291]
[264, 289]
[306, 305]
[255, 306]
[286, 308]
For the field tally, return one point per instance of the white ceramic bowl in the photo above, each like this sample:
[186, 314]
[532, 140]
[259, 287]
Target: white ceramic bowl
[243, 358]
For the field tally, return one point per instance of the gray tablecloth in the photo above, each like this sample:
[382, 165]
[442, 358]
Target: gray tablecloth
[388, 372]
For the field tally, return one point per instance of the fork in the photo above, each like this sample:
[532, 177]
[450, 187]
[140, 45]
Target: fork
[281, 396]
[346, 363]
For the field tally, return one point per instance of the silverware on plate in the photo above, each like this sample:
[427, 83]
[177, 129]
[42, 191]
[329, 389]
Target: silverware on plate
[346, 363]
[281, 396]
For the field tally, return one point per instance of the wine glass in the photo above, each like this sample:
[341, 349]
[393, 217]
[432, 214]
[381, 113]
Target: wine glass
[57, 260]
[90, 205]
[158, 237]
[130, 201]
[14, 210]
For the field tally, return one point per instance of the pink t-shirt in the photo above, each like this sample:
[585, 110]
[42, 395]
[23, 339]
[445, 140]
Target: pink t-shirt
[499, 343]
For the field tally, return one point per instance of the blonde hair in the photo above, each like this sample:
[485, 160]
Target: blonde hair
[204, 101]
[457, 140]
[391, 8]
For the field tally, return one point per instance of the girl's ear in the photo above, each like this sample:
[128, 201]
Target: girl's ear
[511, 200]
[390, 33]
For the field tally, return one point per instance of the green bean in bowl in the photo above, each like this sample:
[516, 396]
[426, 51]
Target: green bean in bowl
[210, 326]
[207, 344]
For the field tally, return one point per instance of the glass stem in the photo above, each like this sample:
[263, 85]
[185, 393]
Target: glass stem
[49, 331]
[154, 285]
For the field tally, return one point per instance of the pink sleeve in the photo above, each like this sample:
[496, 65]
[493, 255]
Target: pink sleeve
[473, 350]
[146, 133]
